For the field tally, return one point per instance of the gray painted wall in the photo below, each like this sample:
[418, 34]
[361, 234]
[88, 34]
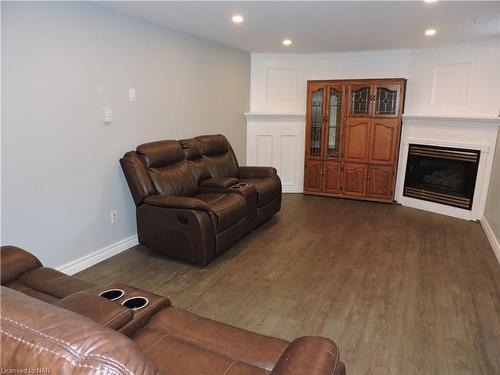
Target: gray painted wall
[61, 64]
[492, 210]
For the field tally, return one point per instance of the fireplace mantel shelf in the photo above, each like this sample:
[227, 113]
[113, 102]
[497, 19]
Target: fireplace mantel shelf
[489, 120]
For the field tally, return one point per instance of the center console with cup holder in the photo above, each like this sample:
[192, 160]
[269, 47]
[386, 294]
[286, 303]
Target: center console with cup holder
[142, 304]
[247, 191]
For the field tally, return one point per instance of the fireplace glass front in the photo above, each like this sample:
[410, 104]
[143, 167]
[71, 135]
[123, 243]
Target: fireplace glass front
[441, 174]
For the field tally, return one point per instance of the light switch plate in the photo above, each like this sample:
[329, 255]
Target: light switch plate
[131, 95]
[108, 116]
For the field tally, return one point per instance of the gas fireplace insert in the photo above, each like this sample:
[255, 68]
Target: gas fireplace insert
[441, 174]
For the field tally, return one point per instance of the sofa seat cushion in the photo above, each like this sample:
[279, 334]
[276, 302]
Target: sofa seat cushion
[20, 287]
[219, 182]
[221, 344]
[227, 208]
[172, 355]
[267, 188]
[48, 284]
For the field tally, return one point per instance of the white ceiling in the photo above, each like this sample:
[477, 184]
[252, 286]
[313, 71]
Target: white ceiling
[324, 26]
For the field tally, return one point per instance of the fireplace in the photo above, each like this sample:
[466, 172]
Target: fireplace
[441, 174]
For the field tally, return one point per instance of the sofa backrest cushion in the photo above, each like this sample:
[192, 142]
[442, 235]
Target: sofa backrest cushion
[196, 160]
[218, 155]
[137, 176]
[169, 171]
[160, 153]
[36, 334]
[191, 148]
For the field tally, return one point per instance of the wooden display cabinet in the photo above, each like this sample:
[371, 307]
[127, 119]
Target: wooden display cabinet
[353, 129]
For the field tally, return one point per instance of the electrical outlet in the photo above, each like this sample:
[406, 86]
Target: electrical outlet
[114, 216]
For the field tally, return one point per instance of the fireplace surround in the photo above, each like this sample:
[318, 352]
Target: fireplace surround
[475, 137]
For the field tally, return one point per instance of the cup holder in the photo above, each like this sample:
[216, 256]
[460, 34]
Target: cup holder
[135, 303]
[112, 294]
[236, 187]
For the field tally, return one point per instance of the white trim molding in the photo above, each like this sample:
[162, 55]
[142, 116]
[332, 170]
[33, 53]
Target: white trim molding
[274, 117]
[456, 120]
[97, 256]
[494, 242]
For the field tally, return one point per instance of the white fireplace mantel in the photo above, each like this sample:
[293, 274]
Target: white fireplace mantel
[456, 120]
[468, 132]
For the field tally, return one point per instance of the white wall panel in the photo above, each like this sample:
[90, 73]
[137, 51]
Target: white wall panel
[450, 86]
[264, 149]
[281, 84]
[277, 83]
[288, 165]
[457, 80]
[278, 141]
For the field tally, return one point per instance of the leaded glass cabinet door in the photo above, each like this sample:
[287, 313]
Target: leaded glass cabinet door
[387, 100]
[334, 120]
[360, 100]
[316, 117]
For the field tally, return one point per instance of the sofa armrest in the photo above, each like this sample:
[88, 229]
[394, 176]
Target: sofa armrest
[219, 182]
[14, 262]
[98, 309]
[177, 202]
[257, 172]
[310, 355]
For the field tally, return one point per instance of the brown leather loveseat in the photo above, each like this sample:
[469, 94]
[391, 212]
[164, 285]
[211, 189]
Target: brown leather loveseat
[193, 199]
[84, 333]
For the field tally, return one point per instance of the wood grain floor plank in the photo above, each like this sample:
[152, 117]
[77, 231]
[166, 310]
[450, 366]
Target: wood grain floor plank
[401, 291]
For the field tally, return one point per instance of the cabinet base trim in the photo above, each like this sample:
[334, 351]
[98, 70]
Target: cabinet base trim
[330, 195]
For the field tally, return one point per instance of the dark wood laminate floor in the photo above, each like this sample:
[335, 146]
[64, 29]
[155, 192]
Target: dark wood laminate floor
[401, 291]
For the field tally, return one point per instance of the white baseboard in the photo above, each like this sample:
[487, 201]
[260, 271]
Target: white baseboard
[95, 257]
[494, 242]
[292, 189]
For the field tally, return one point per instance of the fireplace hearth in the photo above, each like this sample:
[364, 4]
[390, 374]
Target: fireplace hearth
[441, 174]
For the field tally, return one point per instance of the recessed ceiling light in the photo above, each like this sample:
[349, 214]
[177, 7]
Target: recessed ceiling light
[237, 18]
[430, 32]
[430, 1]
[287, 42]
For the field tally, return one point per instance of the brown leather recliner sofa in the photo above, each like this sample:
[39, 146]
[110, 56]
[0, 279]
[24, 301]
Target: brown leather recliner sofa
[193, 199]
[83, 333]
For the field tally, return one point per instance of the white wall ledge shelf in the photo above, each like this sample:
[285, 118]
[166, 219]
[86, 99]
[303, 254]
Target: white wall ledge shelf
[271, 116]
